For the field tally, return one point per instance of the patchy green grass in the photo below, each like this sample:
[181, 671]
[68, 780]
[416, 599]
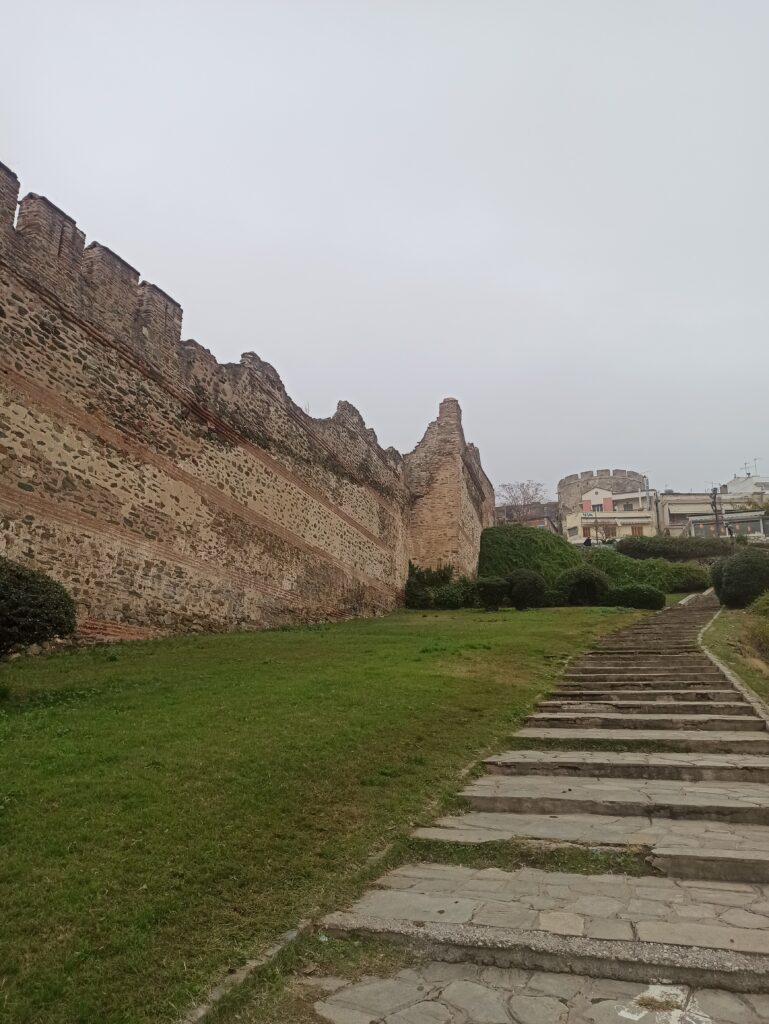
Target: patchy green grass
[725, 638]
[511, 855]
[167, 808]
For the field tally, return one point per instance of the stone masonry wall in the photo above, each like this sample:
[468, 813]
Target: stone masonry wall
[169, 492]
[452, 499]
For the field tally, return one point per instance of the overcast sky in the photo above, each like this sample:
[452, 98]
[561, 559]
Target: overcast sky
[555, 210]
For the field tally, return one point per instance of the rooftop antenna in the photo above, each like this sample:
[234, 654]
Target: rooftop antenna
[746, 467]
[755, 466]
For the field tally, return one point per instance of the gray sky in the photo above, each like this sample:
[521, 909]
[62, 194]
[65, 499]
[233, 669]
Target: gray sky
[554, 210]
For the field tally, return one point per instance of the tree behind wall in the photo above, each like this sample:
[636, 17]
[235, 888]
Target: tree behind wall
[524, 498]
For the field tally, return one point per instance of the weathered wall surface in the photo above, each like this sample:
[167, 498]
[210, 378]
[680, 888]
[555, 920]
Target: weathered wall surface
[167, 491]
[452, 499]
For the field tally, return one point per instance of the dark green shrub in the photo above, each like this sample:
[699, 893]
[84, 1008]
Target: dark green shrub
[554, 598]
[635, 595]
[584, 585]
[505, 548]
[761, 606]
[432, 577]
[33, 607]
[493, 592]
[717, 576]
[675, 549]
[527, 589]
[450, 595]
[745, 577]
[687, 578]
[417, 594]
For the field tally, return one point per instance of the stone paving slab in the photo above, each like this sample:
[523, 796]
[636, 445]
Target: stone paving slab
[461, 993]
[716, 740]
[620, 703]
[743, 802]
[712, 915]
[635, 764]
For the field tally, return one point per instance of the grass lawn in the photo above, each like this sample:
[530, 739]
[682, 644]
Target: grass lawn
[724, 639]
[167, 808]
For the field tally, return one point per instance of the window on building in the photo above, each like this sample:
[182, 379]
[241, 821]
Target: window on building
[586, 531]
[598, 508]
[637, 531]
[610, 531]
[572, 531]
[627, 506]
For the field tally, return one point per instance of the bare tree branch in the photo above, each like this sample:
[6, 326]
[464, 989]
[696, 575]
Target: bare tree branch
[524, 498]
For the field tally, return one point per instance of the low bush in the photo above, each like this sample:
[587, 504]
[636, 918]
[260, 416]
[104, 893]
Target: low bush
[417, 595]
[493, 592]
[450, 595]
[675, 549]
[432, 577]
[761, 605]
[526, 589]
[745, 577]
[635, 595]
[33, 607]
[669, 577]
[584, 585]
[506, 548]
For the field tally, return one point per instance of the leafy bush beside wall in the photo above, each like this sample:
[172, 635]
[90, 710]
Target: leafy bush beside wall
[33, 607]
[744, 577]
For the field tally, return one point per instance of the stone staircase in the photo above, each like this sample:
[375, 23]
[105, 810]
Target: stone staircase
[647, 745]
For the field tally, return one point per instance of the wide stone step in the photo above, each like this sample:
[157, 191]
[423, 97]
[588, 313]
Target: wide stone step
[744, 802]
[655, 697]
[616, 705]
[632, 765]
[692, 848]
[578, 675]
[439, 992]
[597, 720]
[669, 683]
[611, 926]
[722, 742]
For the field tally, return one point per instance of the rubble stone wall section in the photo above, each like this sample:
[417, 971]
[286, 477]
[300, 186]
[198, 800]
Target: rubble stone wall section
[169, 492]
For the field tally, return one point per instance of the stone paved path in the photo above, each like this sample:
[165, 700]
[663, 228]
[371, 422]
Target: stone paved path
[687, 944]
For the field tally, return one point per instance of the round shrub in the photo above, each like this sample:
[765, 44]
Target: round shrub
[746, 577]
[527, 589]
[636, 595]
[717, 576]
[33, 607]
[492, 592]
[584, 585]
[761, 605]
[450, 595]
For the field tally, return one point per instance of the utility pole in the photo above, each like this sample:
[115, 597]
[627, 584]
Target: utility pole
[714, 506]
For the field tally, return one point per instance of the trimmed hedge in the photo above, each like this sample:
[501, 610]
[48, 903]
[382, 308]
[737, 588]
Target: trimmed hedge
[33, 607]
[717, 577]
[745, 577]
[510, 547]
[669, 577]
[584, 585]
[526, 589]
[635, 595]
[675, 549]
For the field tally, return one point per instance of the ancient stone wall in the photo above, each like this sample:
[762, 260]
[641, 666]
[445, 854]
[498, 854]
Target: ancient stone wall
[452, 499]
[617, 481]
[169, 492]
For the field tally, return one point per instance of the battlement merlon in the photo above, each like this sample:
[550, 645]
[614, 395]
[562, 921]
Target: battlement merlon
[45, 246]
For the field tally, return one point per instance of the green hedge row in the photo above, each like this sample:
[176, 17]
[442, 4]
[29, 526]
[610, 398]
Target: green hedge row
[675, 549]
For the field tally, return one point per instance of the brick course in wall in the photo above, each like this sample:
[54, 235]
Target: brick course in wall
[169, 492]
